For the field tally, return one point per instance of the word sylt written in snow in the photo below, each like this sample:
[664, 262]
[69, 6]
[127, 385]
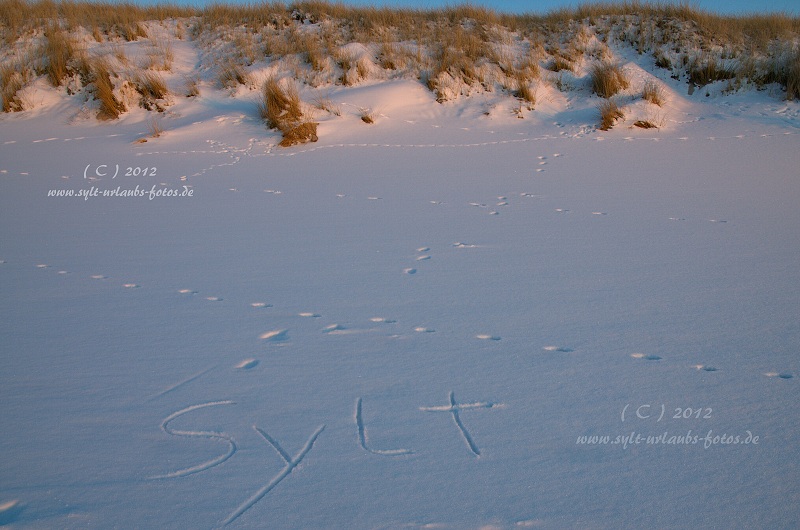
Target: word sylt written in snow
[291, 462]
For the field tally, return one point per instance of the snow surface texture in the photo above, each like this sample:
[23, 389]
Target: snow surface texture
[428, 322]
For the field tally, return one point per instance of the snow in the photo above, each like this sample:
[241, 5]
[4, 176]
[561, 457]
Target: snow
[417, 323]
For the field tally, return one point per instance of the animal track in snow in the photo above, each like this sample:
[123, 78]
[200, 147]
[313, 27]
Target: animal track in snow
[410, 270]
[247, 364]
[483, 336]
[779, 375]
[645, 357]
[309, 315]
[9, 511]
[338, 329]
[214, 299]
[277, 335]
[561, 349]
[421, 329]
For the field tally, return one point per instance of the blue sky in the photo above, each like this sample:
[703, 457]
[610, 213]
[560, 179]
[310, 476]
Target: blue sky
[542, 6]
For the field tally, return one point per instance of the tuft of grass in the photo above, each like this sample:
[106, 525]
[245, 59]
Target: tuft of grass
[785, 69]
[165, 49]
[160, 57]
[130, 30]
[524, 90]
[662, 60]
[703, 71]
[367, 116]
[325, 103]
[244, 48]
[299, 134]
[653, 92]
[608, 79]
[58, 52]
[453, 63]
[82, 66]
[390, 56]
[645, 124]
[232, 75]
[793, 77]
[354, 69]
[560, 63]
[311, 46]
[610, 112]
[281, 109]
[110, 106]
[152, 88]
[192, 88]
[529, 66]
[154, 127]
[12, 80]
[362, 68]
[152, 85]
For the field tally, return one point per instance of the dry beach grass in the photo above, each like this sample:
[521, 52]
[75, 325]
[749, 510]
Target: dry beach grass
[455, 51]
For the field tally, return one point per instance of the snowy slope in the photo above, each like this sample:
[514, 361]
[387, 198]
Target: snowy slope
[410, 324]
